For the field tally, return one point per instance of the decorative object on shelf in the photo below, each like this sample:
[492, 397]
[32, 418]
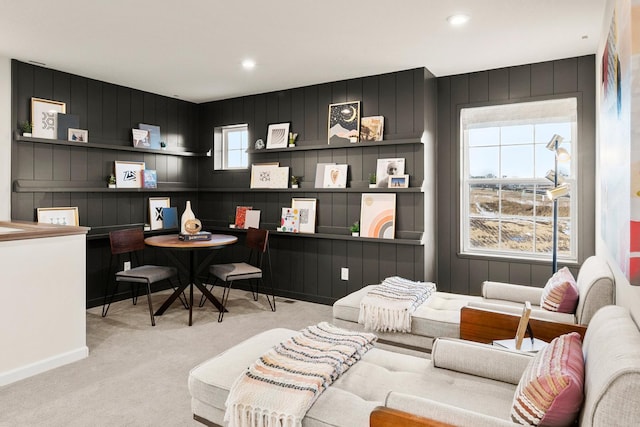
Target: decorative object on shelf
[372, 180]
[241, 215]
[141, 138]
[192, 226]
[344, 122]
[371, 128]
[129, 174]
[307, 212]
[269, 176]
[157, 206]
[150, 178]
[295, 181]
[320, 174]
[290, 220]
[386, 168]
[169, 218]
[154, 135]
[163, 146]
[194, 237]
[26, 128]
[44, 116]
[252, 219]
[111, 181]
[560, 188]
[399, 181]
[378, 215]
[66, 122]
[231, 220]
[335, 176]
[292, 139]
[186, 216]
[278, 135]
[77, 135]
[259, 144]
[355, 229]
[59, 216]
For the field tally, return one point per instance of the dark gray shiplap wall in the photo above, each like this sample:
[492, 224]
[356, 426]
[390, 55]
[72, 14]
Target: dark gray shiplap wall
[309, 267]
[566, 77]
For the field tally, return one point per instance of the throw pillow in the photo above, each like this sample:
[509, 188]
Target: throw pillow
[560, 293]
[550, 392]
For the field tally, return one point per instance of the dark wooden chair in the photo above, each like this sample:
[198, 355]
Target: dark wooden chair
[126, 246]
[257, 241]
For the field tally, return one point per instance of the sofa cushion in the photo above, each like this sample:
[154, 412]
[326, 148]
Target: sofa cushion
[560, 293]
[550, 391]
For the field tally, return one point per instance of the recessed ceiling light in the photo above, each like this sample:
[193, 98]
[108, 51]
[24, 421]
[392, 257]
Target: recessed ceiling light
[248, 64]
[458, 19]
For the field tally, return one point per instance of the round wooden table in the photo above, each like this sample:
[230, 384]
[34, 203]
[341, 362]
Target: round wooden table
[172, 242]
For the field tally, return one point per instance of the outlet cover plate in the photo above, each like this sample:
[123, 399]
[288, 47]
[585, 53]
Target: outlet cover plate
[344, 273]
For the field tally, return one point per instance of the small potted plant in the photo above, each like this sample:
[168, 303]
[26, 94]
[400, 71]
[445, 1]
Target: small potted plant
[26, 128]
[111, 180]
[295, 181]
[163, 145]
[355, 229]
[372, 180]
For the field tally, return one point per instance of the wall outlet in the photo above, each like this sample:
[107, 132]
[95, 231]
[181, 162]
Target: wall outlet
[127, 265]
[344, 273]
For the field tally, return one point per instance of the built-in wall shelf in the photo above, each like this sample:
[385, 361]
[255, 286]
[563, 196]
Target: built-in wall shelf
[105, 146]
[328, 236]
[312, 190]
[323, 145]
[44, 186]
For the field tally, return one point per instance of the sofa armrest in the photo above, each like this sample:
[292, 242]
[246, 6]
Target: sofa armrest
[438, 413]
[511, 292]
[480, 360]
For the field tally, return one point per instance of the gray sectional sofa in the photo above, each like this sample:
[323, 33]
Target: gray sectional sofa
[464, 383]
[439, 316]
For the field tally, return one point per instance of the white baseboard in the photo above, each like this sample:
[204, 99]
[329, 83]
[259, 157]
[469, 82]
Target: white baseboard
[43, 365]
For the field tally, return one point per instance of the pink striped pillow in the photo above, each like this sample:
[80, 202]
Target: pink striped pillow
[550, 391]
[560, 293]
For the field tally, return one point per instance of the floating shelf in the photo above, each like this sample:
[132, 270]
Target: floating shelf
[320, 145]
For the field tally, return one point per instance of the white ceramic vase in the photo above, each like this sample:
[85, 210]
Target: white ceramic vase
[186, 216]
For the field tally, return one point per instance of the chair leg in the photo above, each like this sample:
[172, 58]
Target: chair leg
[153, 320]
[272, 306]
[105, 305]
[225, 297]
[134, 295]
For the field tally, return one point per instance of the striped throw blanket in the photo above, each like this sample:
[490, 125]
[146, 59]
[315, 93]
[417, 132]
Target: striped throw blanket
[279, 387]
[388, 307]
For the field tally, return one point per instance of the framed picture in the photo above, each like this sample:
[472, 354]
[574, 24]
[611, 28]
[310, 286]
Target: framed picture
[378, 215]
[371, 128]
[129, 174]
[278, 135]
[344, 122]
[149, 178]
[335, 176]
[141, 138]
[44, 116]
[269, 176]
[154, 135]
[399, 181]
[78, 135]
[307, 210]
[386, 168]
[59, 216]
[156, 211]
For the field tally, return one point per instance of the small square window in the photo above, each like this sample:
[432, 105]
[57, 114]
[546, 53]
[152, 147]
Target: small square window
[230, 145]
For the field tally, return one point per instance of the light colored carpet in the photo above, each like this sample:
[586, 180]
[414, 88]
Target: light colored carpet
[136, 374]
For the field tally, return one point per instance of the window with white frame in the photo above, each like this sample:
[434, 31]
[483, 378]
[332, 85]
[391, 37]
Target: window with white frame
[505, 168]
[230, 144]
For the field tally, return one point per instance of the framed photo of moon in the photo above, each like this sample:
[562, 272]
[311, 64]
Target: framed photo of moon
[344, 122]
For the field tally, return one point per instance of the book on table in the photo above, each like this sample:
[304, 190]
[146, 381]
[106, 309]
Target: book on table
[199, 236]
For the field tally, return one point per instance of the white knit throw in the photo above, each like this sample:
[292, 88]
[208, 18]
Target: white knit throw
[279, 387]
[388, 307]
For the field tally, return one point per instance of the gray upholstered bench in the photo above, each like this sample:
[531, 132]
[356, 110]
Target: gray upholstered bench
[439, 316]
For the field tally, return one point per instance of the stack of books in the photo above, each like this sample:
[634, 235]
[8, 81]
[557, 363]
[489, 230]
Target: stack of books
[201, 235]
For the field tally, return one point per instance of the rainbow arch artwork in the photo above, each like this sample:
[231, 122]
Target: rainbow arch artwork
[378, 215]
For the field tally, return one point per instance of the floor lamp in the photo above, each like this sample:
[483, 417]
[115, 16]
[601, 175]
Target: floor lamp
[560, 188]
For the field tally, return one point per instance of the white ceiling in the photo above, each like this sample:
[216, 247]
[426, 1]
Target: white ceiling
[193, 49]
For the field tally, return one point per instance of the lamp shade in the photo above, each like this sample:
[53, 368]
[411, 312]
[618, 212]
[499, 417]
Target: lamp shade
[559, 191]
[563, 155]
[555, 139]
